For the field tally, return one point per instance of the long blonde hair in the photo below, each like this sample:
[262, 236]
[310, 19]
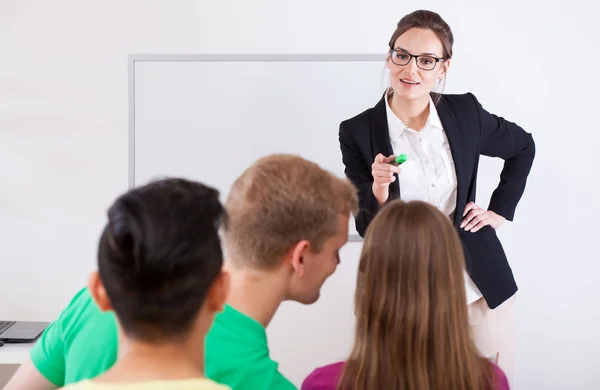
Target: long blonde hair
[412, 329]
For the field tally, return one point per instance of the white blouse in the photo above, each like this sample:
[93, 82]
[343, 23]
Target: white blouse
[429, 174]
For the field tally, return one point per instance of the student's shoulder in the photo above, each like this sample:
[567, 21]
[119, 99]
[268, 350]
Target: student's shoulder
[501, 381]
[181, 384]
[325, 377]
[212, 385]
[72, 312]
[83, 313]
[191, 384]
[81, 300]
[82, 385]
[82, 307]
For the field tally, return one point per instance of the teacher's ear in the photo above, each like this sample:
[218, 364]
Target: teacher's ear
[388, 59]
[445, 67]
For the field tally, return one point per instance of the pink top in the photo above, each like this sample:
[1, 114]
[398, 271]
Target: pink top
[327, 378]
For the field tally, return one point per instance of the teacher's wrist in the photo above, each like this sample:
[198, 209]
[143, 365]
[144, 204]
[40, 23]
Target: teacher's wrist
[381, 193]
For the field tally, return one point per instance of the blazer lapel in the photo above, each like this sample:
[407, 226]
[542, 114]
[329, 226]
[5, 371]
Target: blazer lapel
[380, 139]
[456, 146]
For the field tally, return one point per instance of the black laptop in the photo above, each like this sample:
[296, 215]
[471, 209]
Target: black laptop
[21, 331]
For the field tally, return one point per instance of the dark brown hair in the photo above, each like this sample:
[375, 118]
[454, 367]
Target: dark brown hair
[412, 328]
[159, 255]
[427, 20]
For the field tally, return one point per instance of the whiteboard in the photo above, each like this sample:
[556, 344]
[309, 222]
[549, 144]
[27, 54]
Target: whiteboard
[208, 117]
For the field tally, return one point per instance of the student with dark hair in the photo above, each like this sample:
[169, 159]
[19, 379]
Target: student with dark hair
[160, 271]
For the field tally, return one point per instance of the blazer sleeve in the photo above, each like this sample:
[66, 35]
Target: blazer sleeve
[359, 173]
[506, 140]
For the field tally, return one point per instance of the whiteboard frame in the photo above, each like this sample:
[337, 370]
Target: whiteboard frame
[135, 58]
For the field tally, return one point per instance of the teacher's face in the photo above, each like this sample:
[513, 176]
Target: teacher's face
[411, 81]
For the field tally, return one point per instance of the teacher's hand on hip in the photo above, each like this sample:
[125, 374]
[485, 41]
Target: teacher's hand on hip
[383, 175]
[474, 218]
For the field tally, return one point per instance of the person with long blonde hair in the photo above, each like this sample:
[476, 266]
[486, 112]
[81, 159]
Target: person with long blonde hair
[412, 321]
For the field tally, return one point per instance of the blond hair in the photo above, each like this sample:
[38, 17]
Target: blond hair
[412, 329]
[280, 200]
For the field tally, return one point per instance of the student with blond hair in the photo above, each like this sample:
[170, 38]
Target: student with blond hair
[288, 220]
[412, 321]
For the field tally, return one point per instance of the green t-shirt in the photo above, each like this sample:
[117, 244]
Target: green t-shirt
[80, 344]
[237, 354]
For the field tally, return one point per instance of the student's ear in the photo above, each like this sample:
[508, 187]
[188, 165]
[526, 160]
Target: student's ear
[297, 256]
[217, 294]
[98, 292]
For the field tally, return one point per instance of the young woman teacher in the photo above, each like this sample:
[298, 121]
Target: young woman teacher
[443, 136]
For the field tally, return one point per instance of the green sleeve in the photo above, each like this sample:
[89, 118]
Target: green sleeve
[267, 376]
[47, 355]
[282, 383]
[251, 373]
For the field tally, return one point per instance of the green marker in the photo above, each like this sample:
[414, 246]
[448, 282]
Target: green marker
[401, 158]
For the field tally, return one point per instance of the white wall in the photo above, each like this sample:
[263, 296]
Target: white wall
[63, 147]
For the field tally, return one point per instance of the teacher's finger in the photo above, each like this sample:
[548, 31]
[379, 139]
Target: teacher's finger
[470, 206]
[469, 217]
[380, 158]
[480, 225]
[476, 219]
[391, 158]
[384, 167]
[384, 175]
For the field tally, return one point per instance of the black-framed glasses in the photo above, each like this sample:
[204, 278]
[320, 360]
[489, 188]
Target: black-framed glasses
[424, 62]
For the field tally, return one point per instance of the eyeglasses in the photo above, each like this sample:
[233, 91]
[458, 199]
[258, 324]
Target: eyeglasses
[424, 62]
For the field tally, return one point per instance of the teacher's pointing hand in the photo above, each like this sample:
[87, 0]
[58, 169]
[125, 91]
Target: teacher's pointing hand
[383, 175]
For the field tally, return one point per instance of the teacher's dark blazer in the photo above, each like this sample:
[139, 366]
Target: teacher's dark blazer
[471, 132]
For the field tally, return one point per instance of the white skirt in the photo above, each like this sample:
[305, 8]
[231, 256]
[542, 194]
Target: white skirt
[473, 292]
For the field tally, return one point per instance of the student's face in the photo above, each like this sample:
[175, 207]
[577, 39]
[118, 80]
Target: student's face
[416, 41]
[315, 268]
